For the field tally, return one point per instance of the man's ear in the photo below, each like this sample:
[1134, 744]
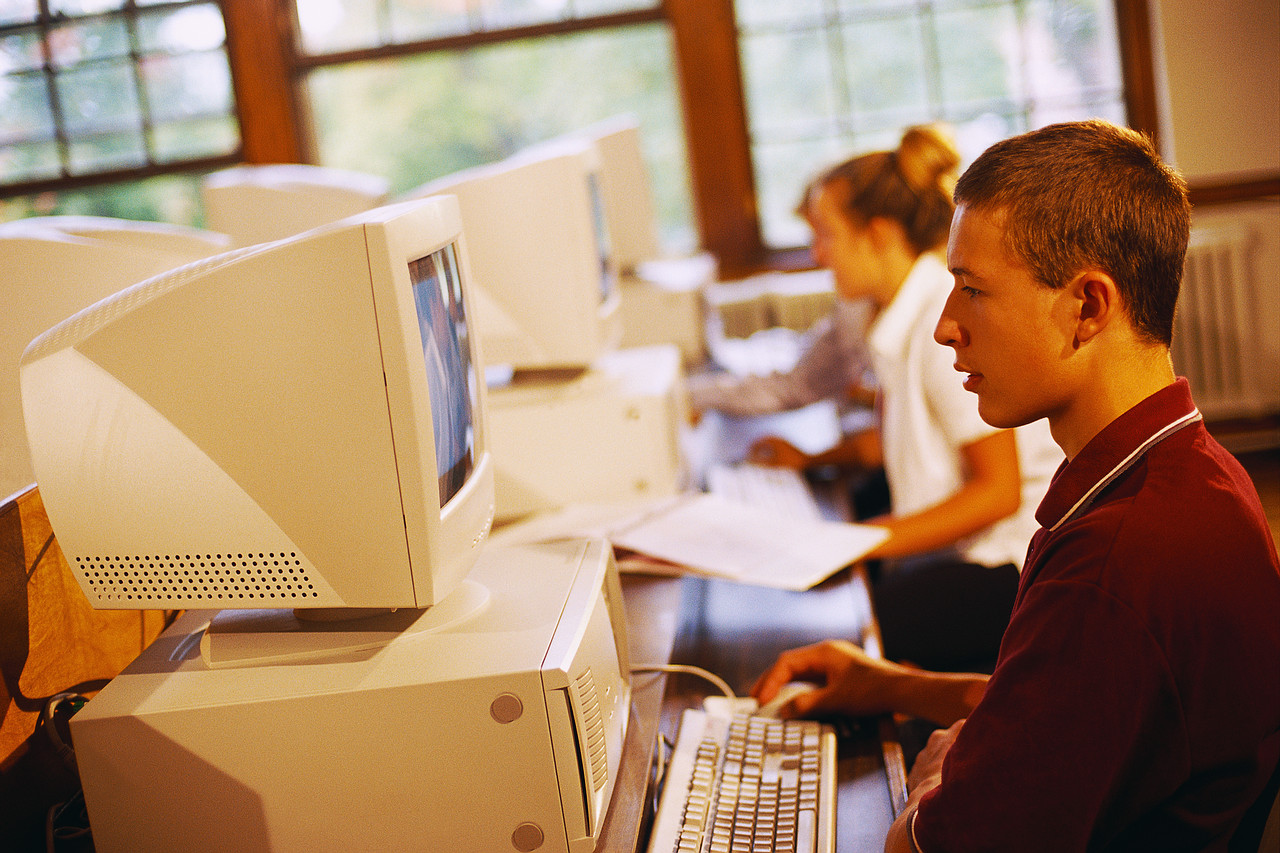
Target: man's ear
[1099, 300]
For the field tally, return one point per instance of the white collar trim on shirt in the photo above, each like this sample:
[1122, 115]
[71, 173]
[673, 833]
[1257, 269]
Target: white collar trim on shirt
[1124, 464]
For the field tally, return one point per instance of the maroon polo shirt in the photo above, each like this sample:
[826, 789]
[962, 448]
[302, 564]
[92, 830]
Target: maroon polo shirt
[1136, 703]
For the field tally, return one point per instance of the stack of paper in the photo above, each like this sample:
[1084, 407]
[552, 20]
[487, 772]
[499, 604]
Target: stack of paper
[709, 535]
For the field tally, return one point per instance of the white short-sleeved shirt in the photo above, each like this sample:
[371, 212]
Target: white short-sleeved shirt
[927, 417]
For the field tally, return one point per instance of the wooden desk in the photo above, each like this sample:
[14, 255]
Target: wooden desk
[736, 631]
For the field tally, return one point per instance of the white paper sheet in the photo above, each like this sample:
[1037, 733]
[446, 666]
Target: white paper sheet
[709, 535]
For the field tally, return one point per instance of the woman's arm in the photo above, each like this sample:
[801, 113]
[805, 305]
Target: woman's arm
[992, 491]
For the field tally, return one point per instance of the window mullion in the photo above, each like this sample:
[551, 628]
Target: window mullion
[724, 196]
[843, 121]
[146, 127]
[933, 58]
[61, 137]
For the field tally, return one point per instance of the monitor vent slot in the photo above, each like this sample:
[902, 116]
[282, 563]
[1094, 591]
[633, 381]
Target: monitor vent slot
[194, 579]
[593, 734]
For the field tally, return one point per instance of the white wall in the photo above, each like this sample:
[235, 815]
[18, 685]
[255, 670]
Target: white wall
[1221, 110]
[1218, 63]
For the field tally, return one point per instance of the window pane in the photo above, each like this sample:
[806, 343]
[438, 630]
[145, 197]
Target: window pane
[804, 109]
[1067, 46]
[200, 137]
[21, 51]
[887, 67]
[328, 26]
[170, 198]
[189, 29]
[24, 108]
[18, 11]
[333, 25]
[99, 97]
[95, 39]
[604, 7]
[411, 120]
[83, 7]
[514, 13]
[991, 68]
[30, 161]
[104, 151]
[754, 14]
[189, 85]
[414, 19]
[979, 53]
[784, 170]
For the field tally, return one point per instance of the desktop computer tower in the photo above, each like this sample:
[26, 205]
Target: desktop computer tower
[609, 433]
[492, 722]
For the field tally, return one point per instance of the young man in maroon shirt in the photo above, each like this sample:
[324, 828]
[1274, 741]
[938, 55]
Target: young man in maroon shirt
[1135, 704]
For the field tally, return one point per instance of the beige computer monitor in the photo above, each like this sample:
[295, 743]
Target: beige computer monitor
[260, 203]
[53, 266]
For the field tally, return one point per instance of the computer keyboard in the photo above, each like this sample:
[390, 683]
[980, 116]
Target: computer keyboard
[744, 783]
[781, 490]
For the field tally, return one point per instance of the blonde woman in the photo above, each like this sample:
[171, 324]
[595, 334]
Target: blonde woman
[963, 493]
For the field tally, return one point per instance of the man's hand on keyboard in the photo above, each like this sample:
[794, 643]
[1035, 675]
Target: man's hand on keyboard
[853, 683]
[849, 680]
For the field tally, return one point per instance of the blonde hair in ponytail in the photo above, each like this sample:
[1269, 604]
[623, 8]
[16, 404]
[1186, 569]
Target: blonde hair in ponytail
[911, 185]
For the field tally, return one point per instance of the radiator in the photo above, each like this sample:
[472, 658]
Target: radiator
[1217, 339]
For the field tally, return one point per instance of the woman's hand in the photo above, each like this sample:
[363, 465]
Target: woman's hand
[778, 453]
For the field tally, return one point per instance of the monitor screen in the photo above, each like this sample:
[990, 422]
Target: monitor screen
[626, 191]
[437, 296]
[297, 424]
[539, 246]
[604, 244]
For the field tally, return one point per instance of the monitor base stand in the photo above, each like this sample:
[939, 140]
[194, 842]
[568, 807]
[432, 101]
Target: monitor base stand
[265, 637]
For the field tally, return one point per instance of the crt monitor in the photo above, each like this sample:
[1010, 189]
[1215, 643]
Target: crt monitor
[181, 242]
[626, 191]
[53, 266]
[257, 203]
[546, 294]
[298, 424]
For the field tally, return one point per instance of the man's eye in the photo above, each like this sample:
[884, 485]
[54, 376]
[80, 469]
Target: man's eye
[969, 291]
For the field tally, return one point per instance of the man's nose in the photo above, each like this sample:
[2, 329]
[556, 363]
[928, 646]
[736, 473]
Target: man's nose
[948, 331]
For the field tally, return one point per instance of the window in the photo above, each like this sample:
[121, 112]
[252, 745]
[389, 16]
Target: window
[740, 101]
[826, 79]
[102, 87]
[415, 91]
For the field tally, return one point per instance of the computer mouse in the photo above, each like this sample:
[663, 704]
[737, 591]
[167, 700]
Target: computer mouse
[788, 692]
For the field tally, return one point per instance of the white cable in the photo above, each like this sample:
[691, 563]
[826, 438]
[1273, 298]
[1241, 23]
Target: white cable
[720, 683]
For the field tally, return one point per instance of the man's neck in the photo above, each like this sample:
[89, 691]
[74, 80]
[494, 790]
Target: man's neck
[1117, 386]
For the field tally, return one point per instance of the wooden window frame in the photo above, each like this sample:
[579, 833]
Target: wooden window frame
[68, 179]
